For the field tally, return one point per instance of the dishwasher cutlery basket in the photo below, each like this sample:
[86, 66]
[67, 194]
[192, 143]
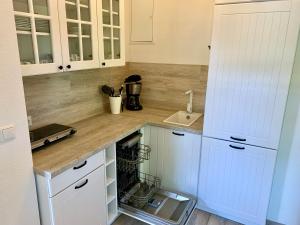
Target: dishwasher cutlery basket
[142, 191]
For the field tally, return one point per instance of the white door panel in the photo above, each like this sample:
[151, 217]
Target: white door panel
[235, 180]
[245, 77]
[83, 202]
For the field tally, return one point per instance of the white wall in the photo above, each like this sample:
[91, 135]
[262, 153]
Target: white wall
[285, 198]
[18, 202]
[182, 31]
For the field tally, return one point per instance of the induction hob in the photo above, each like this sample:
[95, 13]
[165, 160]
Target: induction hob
[48, 134]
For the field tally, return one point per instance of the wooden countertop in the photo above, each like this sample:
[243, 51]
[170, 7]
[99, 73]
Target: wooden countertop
[96, 133]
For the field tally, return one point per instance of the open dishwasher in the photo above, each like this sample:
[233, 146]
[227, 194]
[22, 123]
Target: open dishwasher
[140, 194]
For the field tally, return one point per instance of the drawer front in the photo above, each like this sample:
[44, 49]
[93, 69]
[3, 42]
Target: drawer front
[70, 176]
[83, 203]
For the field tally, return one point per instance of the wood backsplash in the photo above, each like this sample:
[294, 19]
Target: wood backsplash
[164, 85]
[69, 97]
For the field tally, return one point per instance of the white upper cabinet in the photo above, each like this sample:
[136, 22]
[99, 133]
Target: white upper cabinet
[111, 32]
[38, 36]
[66, 35]
[249, 73]
[78, 26]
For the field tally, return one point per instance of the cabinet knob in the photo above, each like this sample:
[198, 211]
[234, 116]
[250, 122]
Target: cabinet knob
[103, 64]
[68, 66]
[60, 67]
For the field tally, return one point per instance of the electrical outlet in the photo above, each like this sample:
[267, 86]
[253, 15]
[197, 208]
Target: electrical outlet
[29, 119]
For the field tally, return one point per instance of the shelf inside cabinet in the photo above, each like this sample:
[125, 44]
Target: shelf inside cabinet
[109, 181]
[112, 211]
[110, 198]
[84, 6]
[70, 3]
[109, 161]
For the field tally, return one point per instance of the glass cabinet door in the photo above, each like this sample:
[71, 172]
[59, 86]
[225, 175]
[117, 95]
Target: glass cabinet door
[79, 34]
[37, 34]
[111, 32]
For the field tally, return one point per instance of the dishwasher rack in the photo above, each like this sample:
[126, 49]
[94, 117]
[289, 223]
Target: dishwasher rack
[140, 194]
[134, 187]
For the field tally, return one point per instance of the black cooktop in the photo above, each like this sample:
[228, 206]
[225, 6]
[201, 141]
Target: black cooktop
[48, 134]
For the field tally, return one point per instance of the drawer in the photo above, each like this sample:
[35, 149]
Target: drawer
[70, 176]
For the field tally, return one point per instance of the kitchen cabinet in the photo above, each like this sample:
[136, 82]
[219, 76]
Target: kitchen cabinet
[175, 157]
[77, 196]
[249, 73]
[235, 180]
[82, 202]
[79, 38]
[38, 35]
[111, 31]
[67, 35]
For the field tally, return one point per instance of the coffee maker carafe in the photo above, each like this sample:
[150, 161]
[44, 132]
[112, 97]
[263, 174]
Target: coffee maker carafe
[133, 91]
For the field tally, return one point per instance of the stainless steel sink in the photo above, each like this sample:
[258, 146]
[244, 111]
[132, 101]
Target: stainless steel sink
[183, 118]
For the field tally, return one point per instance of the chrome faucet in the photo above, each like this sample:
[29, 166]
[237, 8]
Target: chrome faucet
[189, 107]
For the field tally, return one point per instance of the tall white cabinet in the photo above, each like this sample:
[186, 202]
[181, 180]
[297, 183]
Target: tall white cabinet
[248, 80]
[253, 45]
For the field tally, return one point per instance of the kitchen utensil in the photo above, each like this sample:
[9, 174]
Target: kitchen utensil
[108, 90]
[121, 89]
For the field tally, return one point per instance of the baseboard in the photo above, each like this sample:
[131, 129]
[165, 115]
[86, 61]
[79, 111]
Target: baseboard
[269, 222]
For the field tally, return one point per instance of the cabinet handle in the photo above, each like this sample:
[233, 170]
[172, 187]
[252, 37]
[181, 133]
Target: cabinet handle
[238, 139]
[68, 66]
[236, 147]
[82, 185]
[60, 67]
[178, 134]
[82, 165]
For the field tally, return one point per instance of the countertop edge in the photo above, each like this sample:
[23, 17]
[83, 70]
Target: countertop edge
[51, 174]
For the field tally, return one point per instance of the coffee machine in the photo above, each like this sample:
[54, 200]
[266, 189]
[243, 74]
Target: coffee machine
[133, 91]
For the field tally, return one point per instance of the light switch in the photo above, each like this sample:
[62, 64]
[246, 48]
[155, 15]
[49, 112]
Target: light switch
[7, 133]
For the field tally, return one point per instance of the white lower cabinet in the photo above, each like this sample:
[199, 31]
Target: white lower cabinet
[83, 202]
[235, 180]
[75, 197]
[175, 157]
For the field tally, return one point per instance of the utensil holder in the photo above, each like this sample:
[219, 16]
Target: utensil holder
[115, 104]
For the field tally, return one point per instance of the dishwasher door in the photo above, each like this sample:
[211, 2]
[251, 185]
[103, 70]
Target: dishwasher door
[164, 208]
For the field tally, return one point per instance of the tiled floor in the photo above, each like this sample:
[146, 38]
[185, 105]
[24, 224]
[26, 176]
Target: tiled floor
[198, 218]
